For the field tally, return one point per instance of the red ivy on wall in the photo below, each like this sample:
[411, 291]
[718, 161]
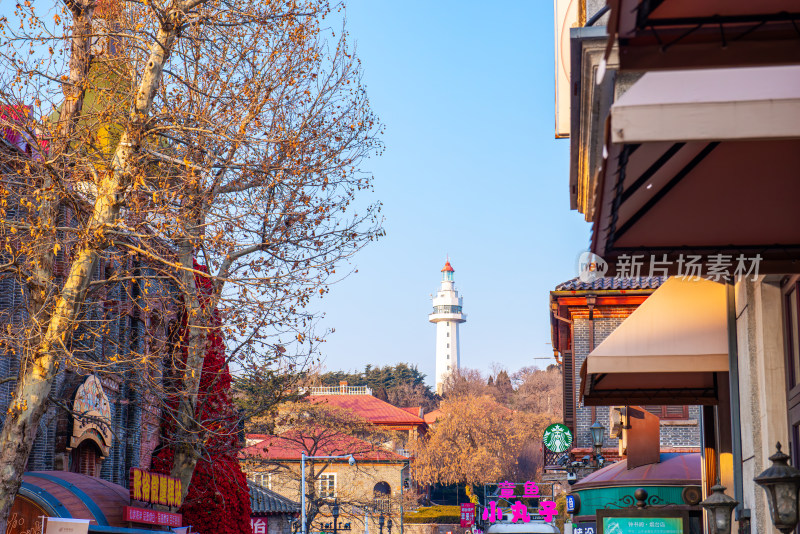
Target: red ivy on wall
[218, 501]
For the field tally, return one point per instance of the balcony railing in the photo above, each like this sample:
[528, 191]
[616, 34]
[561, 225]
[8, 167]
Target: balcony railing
[382, 505]
[447, 309]
[338, 390]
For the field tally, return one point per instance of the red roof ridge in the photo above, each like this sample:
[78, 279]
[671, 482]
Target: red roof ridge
[282, 448]
[370, 408]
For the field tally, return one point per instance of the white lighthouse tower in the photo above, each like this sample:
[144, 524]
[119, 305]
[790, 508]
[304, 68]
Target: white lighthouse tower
[447, 315]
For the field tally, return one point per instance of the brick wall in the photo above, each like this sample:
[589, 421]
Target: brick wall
[135, 419]
[682, 433]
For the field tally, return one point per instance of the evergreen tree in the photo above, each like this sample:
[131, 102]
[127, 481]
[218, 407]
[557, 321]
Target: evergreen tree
[402, 384]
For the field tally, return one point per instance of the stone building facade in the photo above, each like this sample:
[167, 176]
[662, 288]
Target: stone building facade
[126, 434]
[583, 314]
[372, 486]
[128, 315]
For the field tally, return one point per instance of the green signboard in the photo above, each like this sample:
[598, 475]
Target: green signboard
[643, 525]
[557, 437]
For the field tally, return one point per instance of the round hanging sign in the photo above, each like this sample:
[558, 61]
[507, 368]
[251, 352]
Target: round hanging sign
[557, 437]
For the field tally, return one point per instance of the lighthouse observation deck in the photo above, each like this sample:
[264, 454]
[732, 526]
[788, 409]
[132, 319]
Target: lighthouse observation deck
[446, 309]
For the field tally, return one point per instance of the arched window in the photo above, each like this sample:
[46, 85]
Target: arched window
[382, 502]
[382, 489]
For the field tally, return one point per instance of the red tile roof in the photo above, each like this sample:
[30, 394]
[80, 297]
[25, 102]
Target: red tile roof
[432, 417]
[288, 447]
[413, 410]
[370, 408]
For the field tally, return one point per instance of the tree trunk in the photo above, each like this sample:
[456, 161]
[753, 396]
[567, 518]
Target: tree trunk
[188, 433]
[37, 375]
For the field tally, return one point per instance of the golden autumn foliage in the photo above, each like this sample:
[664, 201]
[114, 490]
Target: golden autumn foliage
[476, 440]
[150, 138]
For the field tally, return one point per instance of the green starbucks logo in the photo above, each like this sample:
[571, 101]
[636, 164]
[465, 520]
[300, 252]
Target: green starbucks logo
[557, 437]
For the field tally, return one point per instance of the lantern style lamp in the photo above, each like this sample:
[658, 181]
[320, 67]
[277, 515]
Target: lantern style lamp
[719, 507]
[598, 433]
[781, 481]
[381, 521]
[598, 436]
[591, 300]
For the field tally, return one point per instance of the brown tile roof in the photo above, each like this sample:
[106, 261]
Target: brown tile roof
[609, 283]
[264, 501]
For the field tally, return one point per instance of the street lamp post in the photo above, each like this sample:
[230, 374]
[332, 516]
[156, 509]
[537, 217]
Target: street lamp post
[303, 458]
[381, 521]
[335, 513]
[389, 525]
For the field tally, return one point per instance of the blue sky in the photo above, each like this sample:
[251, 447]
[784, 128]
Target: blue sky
[471, 169]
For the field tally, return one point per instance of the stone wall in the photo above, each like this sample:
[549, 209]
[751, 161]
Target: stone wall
[355, 487]
[762, 387]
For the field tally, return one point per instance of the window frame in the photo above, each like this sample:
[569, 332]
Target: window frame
[791, 289]
[323, 494]
[661, 412]
[258, 477]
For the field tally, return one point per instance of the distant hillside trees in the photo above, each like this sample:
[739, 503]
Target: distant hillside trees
[539, 390]
[401, 385]
[530, 389]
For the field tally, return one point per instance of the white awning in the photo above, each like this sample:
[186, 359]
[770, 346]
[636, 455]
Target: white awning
[668, 350]
[710, 105]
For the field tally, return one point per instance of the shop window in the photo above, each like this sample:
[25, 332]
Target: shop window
[669, 412]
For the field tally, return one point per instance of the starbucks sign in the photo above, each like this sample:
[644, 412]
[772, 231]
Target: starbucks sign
[557, 437]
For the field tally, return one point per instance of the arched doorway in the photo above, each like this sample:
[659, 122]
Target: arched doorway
[91, 438]
[382, 493]
[86, 459]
